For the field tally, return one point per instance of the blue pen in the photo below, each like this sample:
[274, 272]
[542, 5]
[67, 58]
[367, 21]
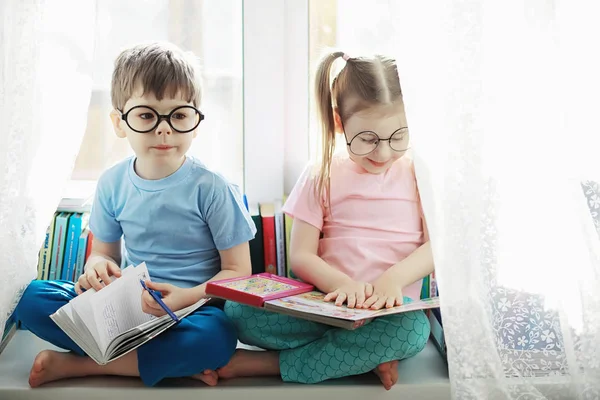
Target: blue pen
[246, 203]
[156, 296]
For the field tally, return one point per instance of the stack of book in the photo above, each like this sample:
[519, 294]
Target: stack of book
[430, 289]
[270, 247]
[68, 240]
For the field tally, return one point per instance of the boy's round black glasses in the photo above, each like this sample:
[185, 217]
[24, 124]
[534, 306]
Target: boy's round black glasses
[144, 119]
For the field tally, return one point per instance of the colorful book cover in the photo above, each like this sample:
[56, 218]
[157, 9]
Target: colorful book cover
[267, 213]
[312, 306]
[257, 251]
[71, 247]
[58, 245]
[254, 290]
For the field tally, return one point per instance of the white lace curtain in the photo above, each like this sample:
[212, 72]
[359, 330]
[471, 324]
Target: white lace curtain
[46, 51]
[502, 101]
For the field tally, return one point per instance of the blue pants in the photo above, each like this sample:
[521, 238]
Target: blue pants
[205, 339]
[311, 352]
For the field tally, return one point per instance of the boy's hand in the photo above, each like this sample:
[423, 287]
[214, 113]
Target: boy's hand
[101, 270]
[386, 294]
[352, 293]
[173, 296]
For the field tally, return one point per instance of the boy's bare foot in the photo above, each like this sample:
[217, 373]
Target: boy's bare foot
[387, 373]
[52, 365]
[251, 363]
[208, 376]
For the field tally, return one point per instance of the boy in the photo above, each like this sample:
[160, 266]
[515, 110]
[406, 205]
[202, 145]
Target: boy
[187, 223]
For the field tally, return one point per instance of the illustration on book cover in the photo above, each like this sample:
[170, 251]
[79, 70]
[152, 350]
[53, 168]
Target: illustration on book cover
[258, 286]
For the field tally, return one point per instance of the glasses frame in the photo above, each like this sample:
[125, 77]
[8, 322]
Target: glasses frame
[168, 116]
[379, 140]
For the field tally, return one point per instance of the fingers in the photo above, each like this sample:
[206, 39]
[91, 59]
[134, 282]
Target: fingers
[379, 303]
[332, 295]
[161, 287]
[370, 301]
[78, 288]
[351, 302]
[103, 274]
[360, 299]
[150, 306]
[82, 284]
[92, 277]
[113, 269]
[341, 299]
[368, 290]
[390, 302]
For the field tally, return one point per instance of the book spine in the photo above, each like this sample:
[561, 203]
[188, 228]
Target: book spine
[43, 255]
[71, 246]
[433, 288]
[257, 251]
[48, 253]
[81, 249]
[288, 234]
[58, 246]
[280, 243]
[88, 249]
[269, 245]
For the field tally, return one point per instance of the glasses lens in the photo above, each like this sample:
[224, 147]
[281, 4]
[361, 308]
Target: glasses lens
[364, 143]
[399, 140]
[142, 119]
[184, 119]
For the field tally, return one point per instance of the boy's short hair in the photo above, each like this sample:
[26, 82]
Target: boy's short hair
[158, 68]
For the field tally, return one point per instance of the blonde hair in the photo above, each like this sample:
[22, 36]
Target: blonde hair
[363, 83]
[158, 68]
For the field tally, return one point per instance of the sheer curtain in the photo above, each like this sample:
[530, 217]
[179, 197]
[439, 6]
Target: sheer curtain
[45, 85]
[502, 101]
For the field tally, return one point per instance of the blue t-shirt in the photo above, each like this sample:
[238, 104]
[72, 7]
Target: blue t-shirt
[176, 224]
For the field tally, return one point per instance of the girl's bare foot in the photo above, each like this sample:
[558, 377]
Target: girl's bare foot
[52, 365]
[251, 363]
[208, 376]
[387, 373]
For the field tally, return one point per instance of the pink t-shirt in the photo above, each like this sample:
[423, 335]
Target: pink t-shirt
[375, 220]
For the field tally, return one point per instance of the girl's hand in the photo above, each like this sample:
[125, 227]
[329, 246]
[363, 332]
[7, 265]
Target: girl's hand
[385, 294]
[352, 293]
[173, 296]
[97, 274]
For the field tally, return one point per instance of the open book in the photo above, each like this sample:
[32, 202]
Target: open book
[298, 299]
[110, 323]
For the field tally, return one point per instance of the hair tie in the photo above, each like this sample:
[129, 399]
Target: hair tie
[346, 57]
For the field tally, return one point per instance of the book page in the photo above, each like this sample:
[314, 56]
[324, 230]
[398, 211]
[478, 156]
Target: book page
[314, 303]
[118, 307]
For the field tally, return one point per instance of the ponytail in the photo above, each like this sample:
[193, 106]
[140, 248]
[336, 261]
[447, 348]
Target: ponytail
[326, 119]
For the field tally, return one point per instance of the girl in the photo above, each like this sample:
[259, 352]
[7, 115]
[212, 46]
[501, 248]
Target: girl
[358, 235]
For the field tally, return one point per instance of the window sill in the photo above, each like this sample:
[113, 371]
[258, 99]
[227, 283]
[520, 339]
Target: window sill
[422, 377]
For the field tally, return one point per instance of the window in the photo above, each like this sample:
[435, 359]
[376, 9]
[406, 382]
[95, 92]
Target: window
[210, 29]
[356, 27]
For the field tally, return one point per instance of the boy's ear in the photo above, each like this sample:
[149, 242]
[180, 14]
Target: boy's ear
[337, 120]
[115, 117]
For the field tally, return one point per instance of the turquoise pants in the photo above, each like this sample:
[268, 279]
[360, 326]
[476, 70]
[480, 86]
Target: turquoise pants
[311, 352]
